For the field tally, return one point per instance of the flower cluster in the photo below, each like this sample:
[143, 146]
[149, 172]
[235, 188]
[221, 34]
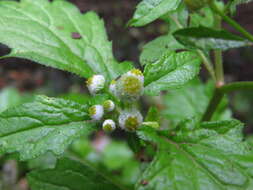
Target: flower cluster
[127, 88]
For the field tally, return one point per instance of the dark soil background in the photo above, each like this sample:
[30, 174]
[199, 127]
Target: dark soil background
[127, 43]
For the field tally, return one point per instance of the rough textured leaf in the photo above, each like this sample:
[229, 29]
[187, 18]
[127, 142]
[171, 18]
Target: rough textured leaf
[150, 10]
[69, 175]
[194, 99]
[208, 38]
[47, 124]
[206, 157]
[56, 34]
[153, 50]
[172, 70]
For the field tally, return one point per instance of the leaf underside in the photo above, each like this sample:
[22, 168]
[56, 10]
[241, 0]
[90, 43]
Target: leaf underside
[207, 38]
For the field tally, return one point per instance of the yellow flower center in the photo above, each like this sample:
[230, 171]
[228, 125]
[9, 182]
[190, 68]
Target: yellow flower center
[136, 72]
[92, 110]
[131, 123]
[113, 82]
[132, 85]
[89, 81]
[107, 127]
[107, 104]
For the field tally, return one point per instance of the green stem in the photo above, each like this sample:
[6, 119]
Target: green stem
[218, 57]
[247, 85]
[207, 64]
[231, 22]
[219, 94]
[205, 60]
[219, 67]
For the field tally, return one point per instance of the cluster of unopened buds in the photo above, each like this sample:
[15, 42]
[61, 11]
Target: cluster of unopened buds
[128, 89]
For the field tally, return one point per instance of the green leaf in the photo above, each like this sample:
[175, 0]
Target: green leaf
[70, 175]
[206, 157]
[250, 140]
[153, 50]
[178, 18]
[208, 38]
[172, 70]
[56, 34]
[47, 124]
[76, 97]
[10, 97]
[150, 10]
[153, 114]
[194, 98]
[116, 155]
[205, 17]
[45, 161]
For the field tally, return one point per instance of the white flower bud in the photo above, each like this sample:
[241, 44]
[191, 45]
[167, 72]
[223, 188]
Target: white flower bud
[96, 112]
[109, 125]
[131, 85]
[112, 88]
[130, 120]
[95, 83]
[108, 105]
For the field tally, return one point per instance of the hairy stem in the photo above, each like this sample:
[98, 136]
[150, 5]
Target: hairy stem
[219, 94]
[231, 22]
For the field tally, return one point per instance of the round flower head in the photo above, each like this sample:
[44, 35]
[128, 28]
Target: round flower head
[95, 83]
[109, 125]
[130, 120]
[130, 85]
[108, 105]
[112, 88]
[96, 112]
[136, 73]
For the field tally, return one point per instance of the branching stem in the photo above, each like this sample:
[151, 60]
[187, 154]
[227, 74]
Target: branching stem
[219, 94]
[232, 22]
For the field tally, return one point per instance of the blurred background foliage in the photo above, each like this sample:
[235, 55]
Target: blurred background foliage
[21, 79]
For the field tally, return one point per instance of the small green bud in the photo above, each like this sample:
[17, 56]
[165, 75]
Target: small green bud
[108, 105]
[109, 125]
